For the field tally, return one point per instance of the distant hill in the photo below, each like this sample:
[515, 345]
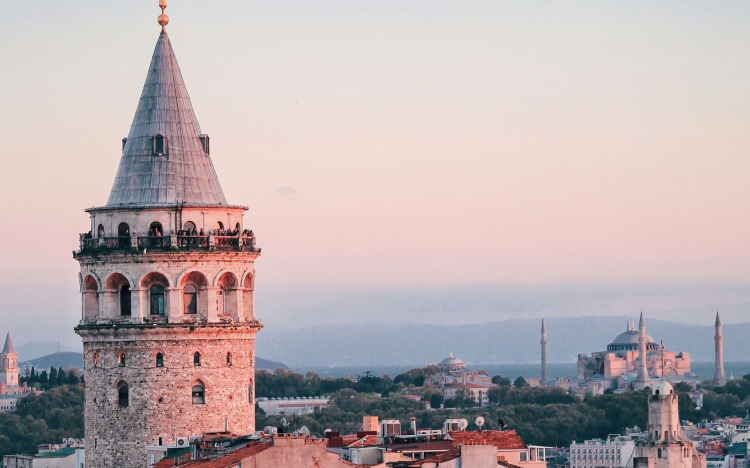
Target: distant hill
[265, 364]
[67, 360]
[29, 351]
[503, 342]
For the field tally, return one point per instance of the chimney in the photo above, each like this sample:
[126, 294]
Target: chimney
[370, 423]
[413, 425]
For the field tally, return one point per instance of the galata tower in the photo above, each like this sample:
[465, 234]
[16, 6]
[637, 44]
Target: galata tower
[167, 281]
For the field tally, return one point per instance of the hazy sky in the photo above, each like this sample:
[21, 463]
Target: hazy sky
[420, 144]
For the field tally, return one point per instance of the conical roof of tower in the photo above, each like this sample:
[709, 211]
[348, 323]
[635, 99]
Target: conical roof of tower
[544, 329]
[718, 319]
[184, 173]
[8, 348]
[642, 323]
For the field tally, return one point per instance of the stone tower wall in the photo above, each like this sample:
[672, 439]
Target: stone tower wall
[160, 403]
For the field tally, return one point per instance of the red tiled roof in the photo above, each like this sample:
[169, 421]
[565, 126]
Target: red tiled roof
[432, 446]
[365, 441]
[503, 440]
[226, 461]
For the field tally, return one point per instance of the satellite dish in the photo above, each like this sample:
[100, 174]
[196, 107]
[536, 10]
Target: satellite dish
[479, 422]
[304, 430]
[463, 424]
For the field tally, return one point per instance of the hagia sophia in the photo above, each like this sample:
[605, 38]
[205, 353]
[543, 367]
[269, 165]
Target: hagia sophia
[618, 365]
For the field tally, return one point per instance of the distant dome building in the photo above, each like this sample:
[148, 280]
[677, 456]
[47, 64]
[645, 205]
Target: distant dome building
[450, 364]
[617, 367]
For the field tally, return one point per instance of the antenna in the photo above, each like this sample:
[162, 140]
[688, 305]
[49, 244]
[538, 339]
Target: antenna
[479, 422]
[662, 359]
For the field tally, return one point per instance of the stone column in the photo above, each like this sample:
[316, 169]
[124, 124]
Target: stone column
[174, 313]
[138, 304]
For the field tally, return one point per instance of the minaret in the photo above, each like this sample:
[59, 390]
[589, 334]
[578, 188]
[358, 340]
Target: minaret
[8, 364]
[543, 380]
[167, 279]
[719, 374]
[643, 380]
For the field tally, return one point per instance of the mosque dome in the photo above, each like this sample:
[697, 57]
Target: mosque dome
[628, 341]
[451, 364]
[451, 361]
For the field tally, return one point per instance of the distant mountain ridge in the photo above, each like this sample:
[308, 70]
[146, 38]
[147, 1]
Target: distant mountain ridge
[67, 360]
[508, 341]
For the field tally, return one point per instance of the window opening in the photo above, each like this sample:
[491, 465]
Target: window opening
[157, 299]
[199, 394]
[190, 299]
[125, 300]
[197, 359]
[123, 395]
[121, 359]
[159, 360]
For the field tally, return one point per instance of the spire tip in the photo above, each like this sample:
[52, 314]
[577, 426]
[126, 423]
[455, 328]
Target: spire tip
[163, 18]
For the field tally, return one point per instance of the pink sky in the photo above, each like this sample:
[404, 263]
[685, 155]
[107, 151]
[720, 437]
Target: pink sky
[422, 143]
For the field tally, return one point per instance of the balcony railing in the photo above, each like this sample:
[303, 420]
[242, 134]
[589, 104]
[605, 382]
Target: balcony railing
[153, 243]
[192, 242]
[166, 243]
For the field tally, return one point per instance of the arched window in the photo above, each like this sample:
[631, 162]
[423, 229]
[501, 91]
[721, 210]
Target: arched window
[197, 359]
[250, 392]
[190, 299]
[123, 232]
[237, 227]
[219, 225]
[188, 226]
[125, 300]
[155, 229]
[96, 358]
[123, 395]
[100, 231]
[229, 359]
[121, 359]
[157, 299]
[159, 360]
[199, 394]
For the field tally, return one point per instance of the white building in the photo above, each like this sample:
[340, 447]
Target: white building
[50, 456]
[287, 406]
[616, 451]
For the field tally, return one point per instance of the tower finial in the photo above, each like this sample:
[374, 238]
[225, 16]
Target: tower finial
[163, 18]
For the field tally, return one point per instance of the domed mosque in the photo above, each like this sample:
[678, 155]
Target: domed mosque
[617, 367]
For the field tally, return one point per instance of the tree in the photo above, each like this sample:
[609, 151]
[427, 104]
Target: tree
[520, 382]
[436, 400]
[60, 377]
[501, 381]
[53, 376]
